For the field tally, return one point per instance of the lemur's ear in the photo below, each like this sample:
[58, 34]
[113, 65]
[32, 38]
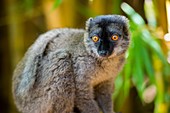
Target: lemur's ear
[126, 28]
[88, 24]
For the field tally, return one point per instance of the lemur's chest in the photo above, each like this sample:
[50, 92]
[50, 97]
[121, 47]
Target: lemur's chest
[103, 72]
[93, 71]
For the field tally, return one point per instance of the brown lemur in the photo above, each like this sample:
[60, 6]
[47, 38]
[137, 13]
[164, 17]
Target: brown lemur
[72, 70]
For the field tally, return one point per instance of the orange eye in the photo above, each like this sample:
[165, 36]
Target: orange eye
[115, 37]
[95, 38]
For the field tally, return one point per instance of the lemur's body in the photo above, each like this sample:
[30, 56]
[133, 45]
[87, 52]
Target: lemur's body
[71, 70]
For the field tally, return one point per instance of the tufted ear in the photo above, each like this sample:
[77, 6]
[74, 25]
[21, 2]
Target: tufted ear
[88, 22]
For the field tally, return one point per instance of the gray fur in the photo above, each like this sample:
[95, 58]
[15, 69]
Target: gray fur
[62, 70]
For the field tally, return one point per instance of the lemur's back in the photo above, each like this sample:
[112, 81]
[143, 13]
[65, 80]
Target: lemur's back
[43, 52]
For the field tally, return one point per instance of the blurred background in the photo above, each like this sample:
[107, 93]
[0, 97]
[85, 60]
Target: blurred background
[144, 84]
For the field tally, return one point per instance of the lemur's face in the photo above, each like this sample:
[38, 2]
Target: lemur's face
[107, 35]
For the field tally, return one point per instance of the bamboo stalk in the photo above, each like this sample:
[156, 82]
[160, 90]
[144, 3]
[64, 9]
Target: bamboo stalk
[63, 16]
[16, 35]
[160, 106]
[160, 7]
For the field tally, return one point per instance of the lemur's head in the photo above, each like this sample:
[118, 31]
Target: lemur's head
[107, 35]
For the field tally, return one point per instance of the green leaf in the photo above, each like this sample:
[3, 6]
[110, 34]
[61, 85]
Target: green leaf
[138, 74]
[148, 64]
[56, 4]
[148, 39]
[126, 87]
[119, 83]
[127, 74]
[135, 17]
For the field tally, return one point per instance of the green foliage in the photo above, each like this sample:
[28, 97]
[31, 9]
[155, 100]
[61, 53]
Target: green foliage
[56, 4]
[139, 65]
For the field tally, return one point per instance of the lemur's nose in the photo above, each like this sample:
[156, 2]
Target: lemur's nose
[103, 53]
